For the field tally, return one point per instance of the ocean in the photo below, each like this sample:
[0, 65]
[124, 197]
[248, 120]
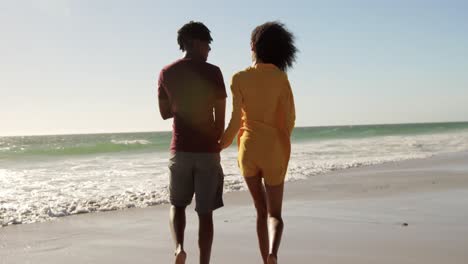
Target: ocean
[46, 177]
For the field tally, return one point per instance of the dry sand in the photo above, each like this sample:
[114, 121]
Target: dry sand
[350, 216]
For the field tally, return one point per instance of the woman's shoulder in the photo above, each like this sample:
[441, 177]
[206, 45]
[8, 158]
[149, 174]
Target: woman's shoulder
[252, 72]
[242, 74]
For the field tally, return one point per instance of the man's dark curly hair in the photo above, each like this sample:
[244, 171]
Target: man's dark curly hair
[192, 30]
[273, 43]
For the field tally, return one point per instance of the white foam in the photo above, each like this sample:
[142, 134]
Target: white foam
[41, 191]
[131, 142]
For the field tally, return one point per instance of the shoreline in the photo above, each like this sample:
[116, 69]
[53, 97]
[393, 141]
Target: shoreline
[355, 215]
[239, 189]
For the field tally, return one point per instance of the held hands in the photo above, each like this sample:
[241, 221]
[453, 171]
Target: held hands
[222, 142]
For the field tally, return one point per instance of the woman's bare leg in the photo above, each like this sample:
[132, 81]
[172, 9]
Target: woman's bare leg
[274, 196]
[257, 190]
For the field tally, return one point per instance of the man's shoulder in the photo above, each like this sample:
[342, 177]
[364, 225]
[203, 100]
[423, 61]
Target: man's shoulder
[172, 66]
[211, 66]
[181, 64]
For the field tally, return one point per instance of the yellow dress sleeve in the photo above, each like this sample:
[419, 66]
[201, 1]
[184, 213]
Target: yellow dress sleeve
[286, 120]
[289, 110]
[236, 117]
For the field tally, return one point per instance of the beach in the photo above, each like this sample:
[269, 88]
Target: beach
[358, 107]
[411, 211]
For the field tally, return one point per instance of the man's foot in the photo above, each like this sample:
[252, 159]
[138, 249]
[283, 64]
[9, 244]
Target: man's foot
[272, 259]
[180, 257]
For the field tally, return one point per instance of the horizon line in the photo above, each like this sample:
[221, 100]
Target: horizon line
[168, 131]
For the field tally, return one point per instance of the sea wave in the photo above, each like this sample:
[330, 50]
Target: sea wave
[55, 149]
[12, 148]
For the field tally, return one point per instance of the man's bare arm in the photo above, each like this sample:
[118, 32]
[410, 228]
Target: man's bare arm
[220, 111]
[165, 108]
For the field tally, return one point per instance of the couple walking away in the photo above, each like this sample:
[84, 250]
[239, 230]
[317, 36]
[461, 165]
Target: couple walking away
[192, 92]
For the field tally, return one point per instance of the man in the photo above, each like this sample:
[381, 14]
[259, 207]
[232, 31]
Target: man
[192, 92]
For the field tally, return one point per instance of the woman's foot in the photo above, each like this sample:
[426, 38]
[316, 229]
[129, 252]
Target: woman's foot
[272, 259]
[180, 257]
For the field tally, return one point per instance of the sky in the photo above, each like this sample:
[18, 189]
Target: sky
[91, 66]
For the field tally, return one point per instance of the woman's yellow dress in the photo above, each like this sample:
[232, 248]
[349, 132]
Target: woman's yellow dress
[263, 118]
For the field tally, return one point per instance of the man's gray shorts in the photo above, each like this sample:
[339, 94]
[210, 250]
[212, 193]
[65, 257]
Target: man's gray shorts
[198, 173]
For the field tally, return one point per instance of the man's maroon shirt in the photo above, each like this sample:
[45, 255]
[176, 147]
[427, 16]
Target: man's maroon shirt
[192, 88]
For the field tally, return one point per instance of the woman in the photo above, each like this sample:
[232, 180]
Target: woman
[263, 118]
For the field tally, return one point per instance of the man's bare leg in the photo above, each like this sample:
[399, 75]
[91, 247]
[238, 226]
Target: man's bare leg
[177, 223]
[205, 236]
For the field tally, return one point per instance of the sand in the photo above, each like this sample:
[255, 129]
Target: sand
[403, 212]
